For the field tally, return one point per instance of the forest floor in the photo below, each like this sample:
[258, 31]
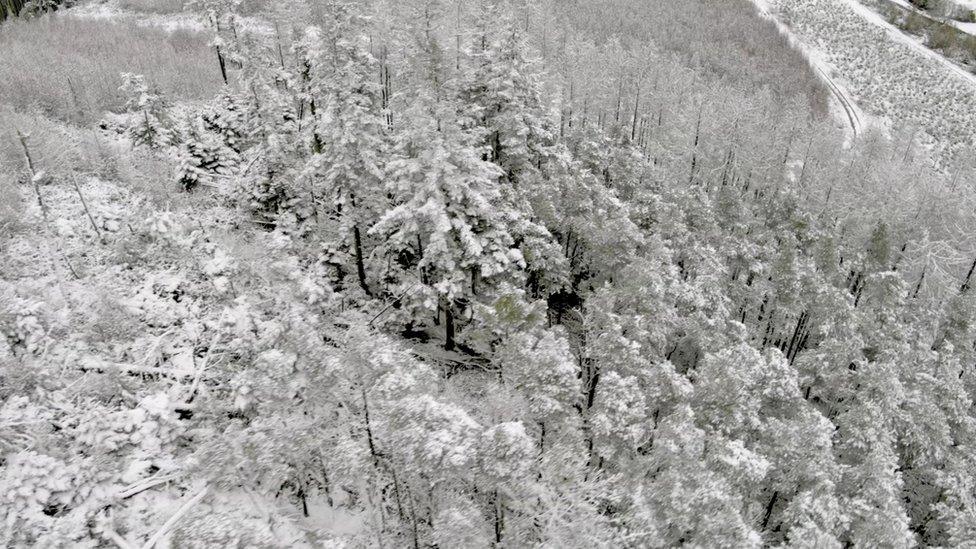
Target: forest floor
[73, 241]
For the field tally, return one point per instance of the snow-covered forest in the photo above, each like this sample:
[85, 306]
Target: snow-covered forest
[475, 273]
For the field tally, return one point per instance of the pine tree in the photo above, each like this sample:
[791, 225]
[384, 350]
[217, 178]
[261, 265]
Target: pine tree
[541, 366]
[698, 505]
[346, 171]
[203, 157]
[499, 101]
[272, 112]
[228, 119]
[501, 98]
[443, 221]
[151, 125]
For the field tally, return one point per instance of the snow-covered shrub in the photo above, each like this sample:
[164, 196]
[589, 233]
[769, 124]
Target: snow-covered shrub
[222, 527]
[35, 491]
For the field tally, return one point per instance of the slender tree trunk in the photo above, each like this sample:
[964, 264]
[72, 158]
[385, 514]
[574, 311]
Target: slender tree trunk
[594, 380]
[769, 509]
[304, 500]
[569, 116]
[33, 174]
[694, 152]
[728, 167]
[457, 35]
[396, 493]
[281, 55]
[360, 264]
[84, 204]
[918, 286]
[413, 516]
[448, 327]
[385, 88]
[220, 56]
[633, 128]
[620, 91]
[316, 140]
[786, 153]
[420, 253]
[369, 429]
[793, 347]
[499, 518]
[969, 277]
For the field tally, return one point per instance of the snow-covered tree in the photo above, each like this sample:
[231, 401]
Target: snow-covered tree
[443, 222]
[151, 125]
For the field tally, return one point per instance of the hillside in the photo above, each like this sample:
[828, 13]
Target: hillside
[487, 273]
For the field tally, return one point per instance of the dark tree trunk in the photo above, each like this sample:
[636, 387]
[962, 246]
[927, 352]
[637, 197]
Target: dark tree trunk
[448, 327]
[918, 287]
[769, 509]
[694, 152]
[360, 265]
[969, 277]
[499, 518]
[220, 55]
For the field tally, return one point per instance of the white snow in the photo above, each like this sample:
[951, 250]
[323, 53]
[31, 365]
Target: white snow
[892, 75]
[844, 108]
[968, 28]
[897, 35]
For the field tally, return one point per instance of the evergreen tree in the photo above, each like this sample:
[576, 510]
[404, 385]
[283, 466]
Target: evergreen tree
[151, 124]
[228, 119]
[203, 157]
[347, 169]
[443, 222]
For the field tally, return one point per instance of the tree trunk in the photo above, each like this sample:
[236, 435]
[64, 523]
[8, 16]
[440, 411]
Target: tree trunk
[918, 287]
[769, 509]
[499, 518]
[633, 128]
[620, 92]
[448, 327]
[33, 174]
[360, 266]
[694, 152]
[220, 57]
[969, 277]
[369, 430]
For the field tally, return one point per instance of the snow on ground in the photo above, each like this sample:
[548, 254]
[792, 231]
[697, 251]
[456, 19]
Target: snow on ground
[111, 10]
[968, 28]
[170, 22]
[896, 34]
[889, 74]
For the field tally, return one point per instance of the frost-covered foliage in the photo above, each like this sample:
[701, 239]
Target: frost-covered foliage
[509, 274]
[151, 126]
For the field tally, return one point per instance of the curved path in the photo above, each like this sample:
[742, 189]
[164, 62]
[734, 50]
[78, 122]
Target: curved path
[845, 101]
